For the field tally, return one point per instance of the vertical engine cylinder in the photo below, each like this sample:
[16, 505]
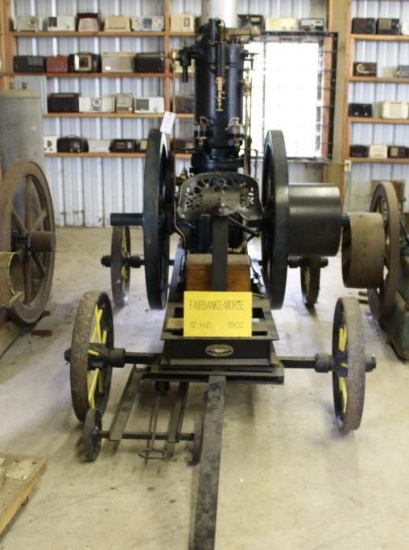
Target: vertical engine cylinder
[21, 133]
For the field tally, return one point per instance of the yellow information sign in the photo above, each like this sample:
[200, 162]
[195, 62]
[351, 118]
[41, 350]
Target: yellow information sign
[217, 314]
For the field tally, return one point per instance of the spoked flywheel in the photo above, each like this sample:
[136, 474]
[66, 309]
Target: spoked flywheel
[310, 273]
[158, 208]
[28, 228]
[92, 336]
[381, 299]
[348, 377]
[120, 264]
[275, 201]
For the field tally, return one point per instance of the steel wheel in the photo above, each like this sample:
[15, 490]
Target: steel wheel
[348, 377]
[120, 266]
[275, 201]
[157, 219]
[28, 228]
[310, 271]
[382, 299]
[90, 375]
[91, 439]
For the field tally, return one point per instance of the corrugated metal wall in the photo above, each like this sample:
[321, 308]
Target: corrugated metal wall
[388, 56]
[86, 191]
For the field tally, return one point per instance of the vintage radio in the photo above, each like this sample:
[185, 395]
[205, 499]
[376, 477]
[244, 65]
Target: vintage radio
[29, 23]
[364, 25]
[150, 63]
[118, 62]
[123, 146]
[388, 26]
[182, 22]
[149, 105]
[361, 68]
[117, 23]
[394, 109]
[104, 104]
[124, 103]
[99, 145]
[281, 24]
[182, 145]
[88, 21]
[359, 151]
[35, 83]
[255, 22]
[50, 144]
[56, 64]
[84, 62]
[378, 151]
[360, 110]
[154, 23]
[29, 64]
[63, 102]
[72, 144]
[183, 104]
[402, 71]
[397, 152]
[142, 145]
[316, 25]
[404, 28]
[61, 23]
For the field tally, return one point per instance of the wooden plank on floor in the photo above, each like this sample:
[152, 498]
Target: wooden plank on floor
[19, 476]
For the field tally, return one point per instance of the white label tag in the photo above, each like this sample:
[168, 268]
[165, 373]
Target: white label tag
[167, 122]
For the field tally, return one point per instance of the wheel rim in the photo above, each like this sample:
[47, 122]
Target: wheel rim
[91, 439]
[157, 219]
[310, 273]
[120, 268]
[93, 334]
[275, 201]
[28, 228]
[382, 299]
[348, 377]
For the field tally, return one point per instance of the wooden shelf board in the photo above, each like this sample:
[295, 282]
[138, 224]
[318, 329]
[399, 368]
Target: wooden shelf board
[75, 34]
[381, 37]
[369, 160]
[112, 115]
[373, 120]
[94, 75]
[379, 79]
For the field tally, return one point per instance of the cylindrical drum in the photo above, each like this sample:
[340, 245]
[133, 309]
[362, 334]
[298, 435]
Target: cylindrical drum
[315, 219]
[216, 9]
[21, 131]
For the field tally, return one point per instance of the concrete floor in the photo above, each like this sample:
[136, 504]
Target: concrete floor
[288, 479]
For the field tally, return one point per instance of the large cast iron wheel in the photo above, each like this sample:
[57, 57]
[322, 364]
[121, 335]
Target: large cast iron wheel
[27, 227]
[382, 299]
[275, 201]
[157, 219]
[91, 439]
[310, 271]
[93, 334]
[120, 266]
[348, 377]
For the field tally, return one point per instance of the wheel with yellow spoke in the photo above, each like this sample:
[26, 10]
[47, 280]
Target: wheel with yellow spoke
[348, 376]
[91, 439]
[92, 337]
[120, 264]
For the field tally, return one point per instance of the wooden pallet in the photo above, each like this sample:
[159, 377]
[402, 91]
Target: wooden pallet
[19, 476]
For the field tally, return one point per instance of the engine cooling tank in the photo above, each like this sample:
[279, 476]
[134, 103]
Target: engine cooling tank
[225, 10]
[21, 131]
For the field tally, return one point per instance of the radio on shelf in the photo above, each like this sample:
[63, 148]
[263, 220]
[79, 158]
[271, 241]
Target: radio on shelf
[364, 25]
[84, 62]
[117, 23]
[118, 62]
[361, 68]
[149, 105]
[123, 146]
[316, 25]
[104, 104]
[359, 151]
[360, 110]
[124, 103]
[88, 21]
[394, 109]
[154, 23]
[251, 22]
[150, 62]
[61, 23]
[388, 26]
[281, 24]
[182, 22]
[378, 151]
[56, 64]
[29, 64]
[29, 23]
[64, 102]
[72, 144]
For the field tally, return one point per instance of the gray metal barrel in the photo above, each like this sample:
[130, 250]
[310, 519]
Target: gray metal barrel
[21, 131]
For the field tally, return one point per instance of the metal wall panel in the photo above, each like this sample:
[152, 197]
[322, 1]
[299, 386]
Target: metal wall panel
[86, 191]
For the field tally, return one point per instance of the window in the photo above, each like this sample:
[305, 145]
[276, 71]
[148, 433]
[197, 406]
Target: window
[293, 86]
